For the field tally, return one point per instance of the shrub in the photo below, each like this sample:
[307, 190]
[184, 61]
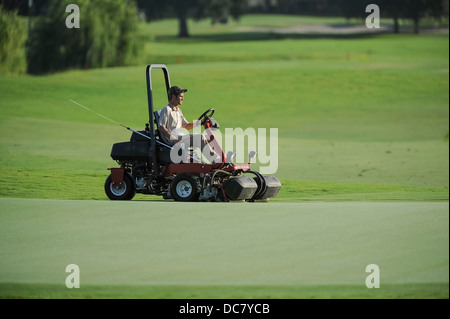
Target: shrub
[12, 43]
[106, 37]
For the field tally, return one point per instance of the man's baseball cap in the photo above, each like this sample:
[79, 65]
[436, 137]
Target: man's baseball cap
[175, 90]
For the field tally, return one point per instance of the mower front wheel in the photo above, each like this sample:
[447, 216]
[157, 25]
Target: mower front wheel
[185, 188]
[125, 192]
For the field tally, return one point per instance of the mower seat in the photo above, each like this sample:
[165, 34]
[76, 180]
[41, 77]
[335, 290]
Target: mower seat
[156, 116]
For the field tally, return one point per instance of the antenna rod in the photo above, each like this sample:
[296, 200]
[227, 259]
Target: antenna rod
[130, 129]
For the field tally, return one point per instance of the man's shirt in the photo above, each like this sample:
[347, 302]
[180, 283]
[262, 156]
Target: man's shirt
[173, 120]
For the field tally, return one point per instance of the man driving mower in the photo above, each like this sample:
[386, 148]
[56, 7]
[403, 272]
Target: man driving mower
[172, 123]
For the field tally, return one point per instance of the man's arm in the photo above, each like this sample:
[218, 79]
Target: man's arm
[162, 124]
[164, 131]
[186, 125]
[190, 126]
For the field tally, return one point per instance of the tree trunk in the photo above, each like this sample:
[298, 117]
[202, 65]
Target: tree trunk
[396, 26]
[182, 27]
[416, 25]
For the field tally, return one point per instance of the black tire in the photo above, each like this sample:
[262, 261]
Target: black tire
[262, 187]
[185, 188]
[126, 192]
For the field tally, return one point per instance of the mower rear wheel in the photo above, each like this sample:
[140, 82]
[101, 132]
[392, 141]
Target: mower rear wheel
[184, 187]
[125, 192]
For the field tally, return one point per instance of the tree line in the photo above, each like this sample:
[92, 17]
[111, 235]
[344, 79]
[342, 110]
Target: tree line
[37, 42]
[221, 10]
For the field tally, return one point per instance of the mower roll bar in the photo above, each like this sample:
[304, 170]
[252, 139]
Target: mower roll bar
[150, 106]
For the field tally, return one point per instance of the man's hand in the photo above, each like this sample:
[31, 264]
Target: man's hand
[174, 138]
[192, 125]
[167, 134]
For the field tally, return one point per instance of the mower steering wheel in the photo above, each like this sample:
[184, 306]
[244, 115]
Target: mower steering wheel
[206, 115]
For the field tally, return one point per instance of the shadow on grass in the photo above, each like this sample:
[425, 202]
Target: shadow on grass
[262, 36]
[330, 31]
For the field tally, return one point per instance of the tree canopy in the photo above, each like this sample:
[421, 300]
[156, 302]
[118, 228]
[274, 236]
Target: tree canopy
[107, 36]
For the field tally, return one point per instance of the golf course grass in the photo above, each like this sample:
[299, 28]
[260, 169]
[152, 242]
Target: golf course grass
[270, 250]
[363, 156]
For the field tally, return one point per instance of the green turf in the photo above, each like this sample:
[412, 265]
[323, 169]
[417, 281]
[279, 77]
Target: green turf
[88, 184]
[362, 154]
[391, 126]
[276, 245]
[389, 291]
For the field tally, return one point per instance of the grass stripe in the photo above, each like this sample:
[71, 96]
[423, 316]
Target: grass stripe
[389, 291]
[88, 184]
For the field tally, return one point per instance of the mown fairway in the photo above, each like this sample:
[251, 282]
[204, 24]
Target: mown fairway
[281, 249]
[360, 119]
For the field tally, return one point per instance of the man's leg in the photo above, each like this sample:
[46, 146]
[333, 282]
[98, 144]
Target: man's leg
[181, 150]
[199, 141]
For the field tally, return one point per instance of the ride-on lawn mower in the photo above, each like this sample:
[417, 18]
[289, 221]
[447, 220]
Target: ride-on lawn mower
[146, 167]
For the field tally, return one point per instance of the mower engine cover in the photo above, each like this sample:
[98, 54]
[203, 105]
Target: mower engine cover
[137, 149]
